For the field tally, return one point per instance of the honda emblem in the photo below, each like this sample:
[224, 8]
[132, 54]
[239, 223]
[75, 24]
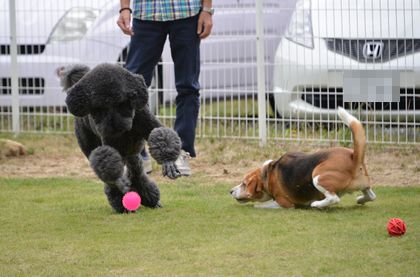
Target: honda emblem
[373, 50]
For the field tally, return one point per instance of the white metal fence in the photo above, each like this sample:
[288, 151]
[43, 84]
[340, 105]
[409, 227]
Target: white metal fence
[308, 50]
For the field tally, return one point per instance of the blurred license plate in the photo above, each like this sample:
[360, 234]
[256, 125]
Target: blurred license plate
[371, 86]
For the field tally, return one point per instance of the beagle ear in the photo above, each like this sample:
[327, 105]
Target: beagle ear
[259, 186]
[266, 169]
[254, 184]
[78, 100]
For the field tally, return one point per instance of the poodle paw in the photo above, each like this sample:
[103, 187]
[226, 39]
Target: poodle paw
[150, 195]
[107, 163]
[164, 144]
[114, 197]
[170, 170]
[123, 184]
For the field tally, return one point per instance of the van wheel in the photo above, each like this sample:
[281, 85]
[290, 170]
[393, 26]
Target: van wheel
[272, 104]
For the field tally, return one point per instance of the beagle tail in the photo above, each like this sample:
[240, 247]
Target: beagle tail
[359, 136]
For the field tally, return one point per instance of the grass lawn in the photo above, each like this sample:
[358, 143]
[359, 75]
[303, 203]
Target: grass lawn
[65, 227]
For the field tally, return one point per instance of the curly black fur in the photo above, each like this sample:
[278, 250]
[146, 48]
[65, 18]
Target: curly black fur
[71, 74]
[164, 145]
[112, 124]
[107, 163]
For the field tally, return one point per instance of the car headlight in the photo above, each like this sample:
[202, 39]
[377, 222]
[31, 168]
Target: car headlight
[300, 26]
[74, 24]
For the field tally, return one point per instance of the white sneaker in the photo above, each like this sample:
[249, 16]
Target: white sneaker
[147, 164]
[183, 164]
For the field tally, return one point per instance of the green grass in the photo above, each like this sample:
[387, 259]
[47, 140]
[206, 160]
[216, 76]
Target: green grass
[64, 227]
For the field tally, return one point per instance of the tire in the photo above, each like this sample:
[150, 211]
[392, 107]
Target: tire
[272, 104]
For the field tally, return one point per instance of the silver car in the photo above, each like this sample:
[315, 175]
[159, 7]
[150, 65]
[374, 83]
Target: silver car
[52, 34]
[328, 41]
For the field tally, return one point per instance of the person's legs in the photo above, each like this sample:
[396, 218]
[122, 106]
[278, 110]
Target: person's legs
[146, 46]
[145, 50]
[147, 162]
[185, 50]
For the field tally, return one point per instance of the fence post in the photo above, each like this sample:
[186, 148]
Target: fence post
[14, 68]
[262, 114]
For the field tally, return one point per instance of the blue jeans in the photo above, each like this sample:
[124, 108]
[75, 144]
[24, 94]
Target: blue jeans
[145, 50]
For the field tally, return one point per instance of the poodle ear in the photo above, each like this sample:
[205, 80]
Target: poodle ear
[140, 95]
[70, 75]
[78, 100]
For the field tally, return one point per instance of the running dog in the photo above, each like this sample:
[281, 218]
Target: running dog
[310, 180]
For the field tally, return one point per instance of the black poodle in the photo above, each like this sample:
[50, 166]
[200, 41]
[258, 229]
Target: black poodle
[112, 123]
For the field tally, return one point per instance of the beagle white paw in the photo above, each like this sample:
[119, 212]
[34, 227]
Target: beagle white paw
[328, 201]
[268, 205]
[368, 195]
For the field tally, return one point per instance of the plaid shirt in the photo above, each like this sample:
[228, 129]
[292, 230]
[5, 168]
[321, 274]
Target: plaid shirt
[165, 10]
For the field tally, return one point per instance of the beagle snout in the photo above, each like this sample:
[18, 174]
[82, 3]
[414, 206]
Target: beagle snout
[234, 192]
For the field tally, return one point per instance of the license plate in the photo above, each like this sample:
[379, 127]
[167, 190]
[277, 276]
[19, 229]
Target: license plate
[371, 86]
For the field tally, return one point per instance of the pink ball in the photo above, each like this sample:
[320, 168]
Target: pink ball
[131, 201]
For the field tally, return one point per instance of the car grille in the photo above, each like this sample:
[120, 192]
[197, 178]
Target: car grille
[27, 49]
[331, 98]
[27, 86]
[391, 49]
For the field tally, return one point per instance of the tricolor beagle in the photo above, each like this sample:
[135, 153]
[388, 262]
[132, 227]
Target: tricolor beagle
[316, 180]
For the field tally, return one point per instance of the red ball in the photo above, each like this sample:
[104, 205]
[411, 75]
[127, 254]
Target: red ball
[396, 227]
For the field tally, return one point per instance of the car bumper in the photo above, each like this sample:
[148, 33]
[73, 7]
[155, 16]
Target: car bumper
[308, 83]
